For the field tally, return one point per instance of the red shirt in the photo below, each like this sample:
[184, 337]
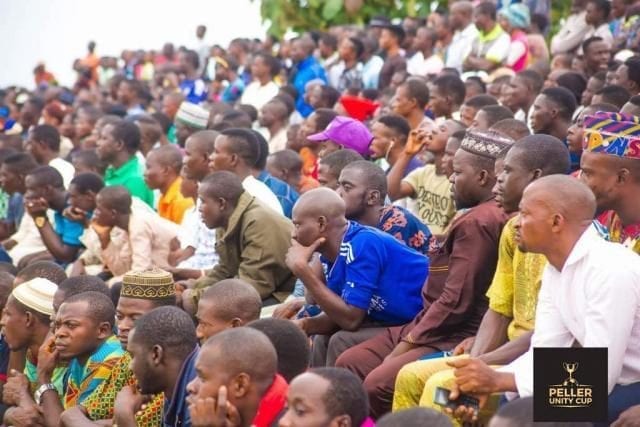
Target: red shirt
[272, 403]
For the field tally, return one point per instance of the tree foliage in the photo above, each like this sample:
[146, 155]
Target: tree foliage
[304, 15]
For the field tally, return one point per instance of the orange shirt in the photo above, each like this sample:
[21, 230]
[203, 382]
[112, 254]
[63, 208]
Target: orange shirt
[309, 162]
[172, 205]
[307, 183]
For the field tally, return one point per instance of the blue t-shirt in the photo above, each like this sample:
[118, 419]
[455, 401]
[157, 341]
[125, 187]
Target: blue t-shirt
[377, 273]
[194, 91]
[69, 231]
[286, 195]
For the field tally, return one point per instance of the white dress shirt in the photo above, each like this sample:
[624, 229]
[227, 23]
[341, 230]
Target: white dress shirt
[257, 95]
[460, 47]
[594, 300]
[260, 191]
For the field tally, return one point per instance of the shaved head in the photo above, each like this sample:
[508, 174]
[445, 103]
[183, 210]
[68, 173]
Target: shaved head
[167, 156]
[462, 7]
[202, 141]
[242, 351]
[320, 202]
[319, 213]
[555, 211]
[116, 197]
[564, 195]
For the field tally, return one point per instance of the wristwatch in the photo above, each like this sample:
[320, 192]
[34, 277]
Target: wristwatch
[37, 396]
[40, 221]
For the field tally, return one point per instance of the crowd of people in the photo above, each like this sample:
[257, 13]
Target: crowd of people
[327, 230]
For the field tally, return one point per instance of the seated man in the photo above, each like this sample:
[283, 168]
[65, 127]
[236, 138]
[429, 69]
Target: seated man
[582, 286]
[332, 396]
[130, 240]
[197, 242]
[429, 185]
[251, 239]
[117, 147]
[141, 292]
[286, 195]
[331, 165]
[90, 356]
[237, 365]
[363, 187]
[287, 166]
[13, 170]
[231, 303]
[45, 190]
[237, 151]
[25, 323]
[461, 270]
[364, 277]
[163, 173]
[506, 328]
[170, 335]
[44, 145]
[614, 178]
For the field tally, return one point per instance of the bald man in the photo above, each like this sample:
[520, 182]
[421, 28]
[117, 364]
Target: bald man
[586, 298]
[371, 278]
[163, 173]
[460, 18]
[236, 366]
[461, 269]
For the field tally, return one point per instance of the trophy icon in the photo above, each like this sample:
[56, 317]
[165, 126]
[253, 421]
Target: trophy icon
[570, 367]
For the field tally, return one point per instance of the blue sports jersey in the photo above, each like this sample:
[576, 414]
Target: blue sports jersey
[379, 274]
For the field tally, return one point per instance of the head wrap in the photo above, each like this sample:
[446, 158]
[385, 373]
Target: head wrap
[150, 284]
[615, 134]
[36, 294]
[517, 14]
[192, 115]
[485, 144]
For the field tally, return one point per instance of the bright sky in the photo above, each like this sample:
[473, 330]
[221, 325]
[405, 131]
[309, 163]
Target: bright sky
[57, 31]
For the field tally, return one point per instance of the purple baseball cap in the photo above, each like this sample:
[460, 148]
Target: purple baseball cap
[348, 132]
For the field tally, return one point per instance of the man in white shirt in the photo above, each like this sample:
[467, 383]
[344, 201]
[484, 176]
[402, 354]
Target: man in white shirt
[598, 18]
[264, 68]
[590, 295]
[425, 62]
[571, 34]
[465, 33]
[236, 150]
[44, 145]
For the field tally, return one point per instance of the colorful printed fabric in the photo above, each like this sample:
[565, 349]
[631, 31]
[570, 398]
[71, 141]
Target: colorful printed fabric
[81, 381]
[100, 405]
[615, 134]
[406, 227]
[613, 231]
[57, 378]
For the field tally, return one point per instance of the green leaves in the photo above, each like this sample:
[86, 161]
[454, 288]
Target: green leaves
[331, 9]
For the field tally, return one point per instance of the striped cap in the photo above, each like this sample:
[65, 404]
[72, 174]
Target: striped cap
[36, 294]
[192, 115]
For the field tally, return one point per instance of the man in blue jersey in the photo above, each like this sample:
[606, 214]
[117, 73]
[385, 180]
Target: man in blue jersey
[363, 277]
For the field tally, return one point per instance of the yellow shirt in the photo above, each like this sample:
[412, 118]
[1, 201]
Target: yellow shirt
[433, 197]
[516, 283]
[172, 205]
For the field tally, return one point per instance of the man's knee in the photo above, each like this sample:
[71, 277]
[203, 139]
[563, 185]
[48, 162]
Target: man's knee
[347, 359]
